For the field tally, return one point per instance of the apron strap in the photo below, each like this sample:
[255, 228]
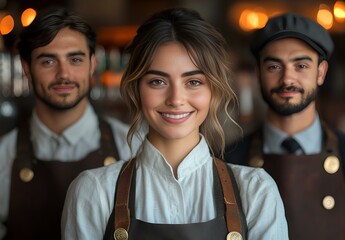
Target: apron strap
[243, 219]
[235, 218]
[24, 145]
[233, 212]
[256, 156]
[26, 156]
[108, 144]
[122, 216]
[331, 140]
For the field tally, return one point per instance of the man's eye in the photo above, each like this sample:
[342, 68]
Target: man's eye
[273, 67]
[76, 60]
[47, 62]
[302, 66]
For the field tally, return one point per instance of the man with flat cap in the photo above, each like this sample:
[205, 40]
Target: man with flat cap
[302, 153]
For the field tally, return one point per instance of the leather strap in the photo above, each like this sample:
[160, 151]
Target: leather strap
[122, 216]
[108, 144]
[25, 153]
[232, 212]
[332, 141]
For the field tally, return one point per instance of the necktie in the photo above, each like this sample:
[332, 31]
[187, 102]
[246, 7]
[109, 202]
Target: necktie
[291, 145]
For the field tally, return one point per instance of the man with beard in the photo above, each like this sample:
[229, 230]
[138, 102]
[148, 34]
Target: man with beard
[302, 153]
[63, 136]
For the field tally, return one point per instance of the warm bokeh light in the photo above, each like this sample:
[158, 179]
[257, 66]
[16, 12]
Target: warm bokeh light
[339, 11]
[117, 35]
[111, 79]
[6, 25]
[325, 17]
[251, 19]
[28, 16]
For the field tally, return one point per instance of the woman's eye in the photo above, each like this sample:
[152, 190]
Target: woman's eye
[194, 82]
[156, 82]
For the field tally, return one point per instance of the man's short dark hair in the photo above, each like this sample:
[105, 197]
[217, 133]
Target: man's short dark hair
[45, 27]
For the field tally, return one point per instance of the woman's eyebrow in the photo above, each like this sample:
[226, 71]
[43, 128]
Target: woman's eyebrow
[164, 74]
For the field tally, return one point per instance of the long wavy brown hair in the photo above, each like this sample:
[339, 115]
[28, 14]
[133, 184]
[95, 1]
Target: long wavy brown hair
[207, 49]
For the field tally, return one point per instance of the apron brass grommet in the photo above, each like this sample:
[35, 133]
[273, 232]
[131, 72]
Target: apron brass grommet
[26, 174]
[233, 235]
[109, 160]
[331, 164]
[328, 202]
[256, 162]
[120, 234]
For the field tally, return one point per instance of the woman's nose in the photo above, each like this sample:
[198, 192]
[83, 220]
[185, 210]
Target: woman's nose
[176, 96]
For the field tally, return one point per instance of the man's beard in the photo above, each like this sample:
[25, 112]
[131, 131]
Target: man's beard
[59, 105]
[286, 108]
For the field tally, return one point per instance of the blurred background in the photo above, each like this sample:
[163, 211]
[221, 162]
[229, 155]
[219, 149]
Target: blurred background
[115, 22]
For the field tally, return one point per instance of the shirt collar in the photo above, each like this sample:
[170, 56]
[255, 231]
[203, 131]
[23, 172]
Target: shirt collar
[72, 134]
[309, 139]
[152, 158]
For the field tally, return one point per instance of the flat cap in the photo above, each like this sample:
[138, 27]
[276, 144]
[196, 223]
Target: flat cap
[292, 25]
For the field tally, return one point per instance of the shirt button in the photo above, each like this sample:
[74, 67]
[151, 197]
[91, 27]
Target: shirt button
[328, 202]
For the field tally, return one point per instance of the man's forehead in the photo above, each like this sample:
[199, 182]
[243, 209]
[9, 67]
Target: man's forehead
[64, 45]
[288, 47]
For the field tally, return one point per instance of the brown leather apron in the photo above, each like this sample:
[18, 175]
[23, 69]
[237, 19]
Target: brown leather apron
[314, 199]
[230, 222]
[36, 206]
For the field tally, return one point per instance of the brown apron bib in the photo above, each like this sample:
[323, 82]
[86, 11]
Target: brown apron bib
[308, 191]
[230, 220]
[36, 206]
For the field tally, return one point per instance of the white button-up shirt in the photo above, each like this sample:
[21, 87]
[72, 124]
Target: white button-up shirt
[162, 198]
[73, 144]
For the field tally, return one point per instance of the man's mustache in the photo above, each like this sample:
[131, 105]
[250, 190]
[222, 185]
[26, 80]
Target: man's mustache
[284, 88]
[63, 82]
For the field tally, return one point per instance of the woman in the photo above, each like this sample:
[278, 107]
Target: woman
[176, 82]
